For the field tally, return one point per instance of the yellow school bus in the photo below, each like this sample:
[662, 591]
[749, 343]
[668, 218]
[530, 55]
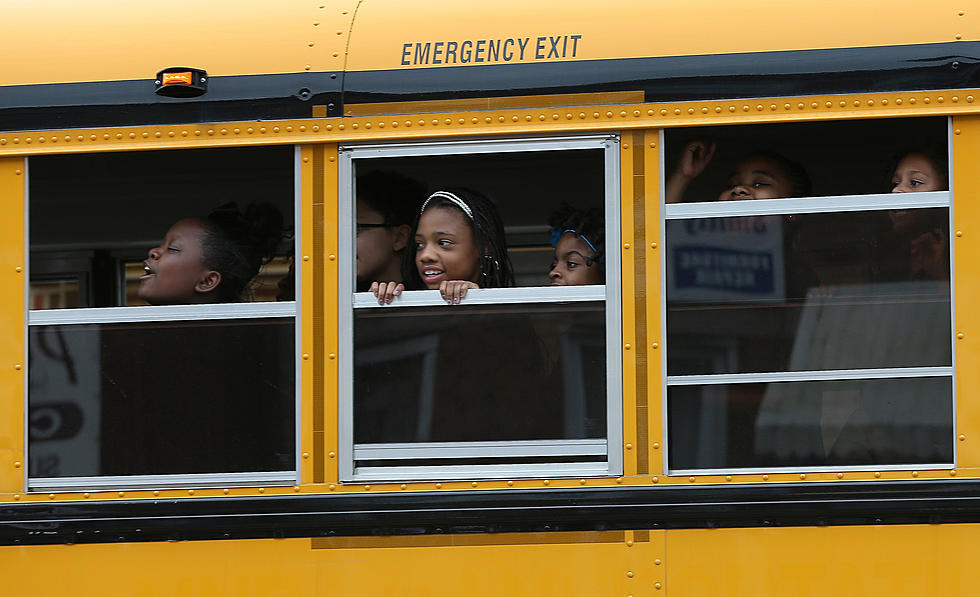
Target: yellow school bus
[771, 396]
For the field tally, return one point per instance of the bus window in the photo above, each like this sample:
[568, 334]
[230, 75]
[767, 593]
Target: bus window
[521, 376]
[810, 330]
[168, 394]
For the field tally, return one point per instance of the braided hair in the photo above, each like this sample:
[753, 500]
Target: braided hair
[238, 243]
[480, 213]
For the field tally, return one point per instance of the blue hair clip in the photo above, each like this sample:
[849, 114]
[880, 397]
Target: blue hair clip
[556, 236]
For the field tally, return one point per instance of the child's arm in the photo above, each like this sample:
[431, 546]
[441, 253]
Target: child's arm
[386, 291]
[453, 291]
[694, 159]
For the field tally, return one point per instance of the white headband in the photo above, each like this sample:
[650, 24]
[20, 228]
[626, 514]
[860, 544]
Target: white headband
[452, 199]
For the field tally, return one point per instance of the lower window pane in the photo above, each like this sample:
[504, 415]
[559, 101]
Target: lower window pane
[805, 292]
[480, 373]
[162, 398]
[815, 423]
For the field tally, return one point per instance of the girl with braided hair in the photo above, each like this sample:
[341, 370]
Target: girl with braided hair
[459, 245]
[211, 260]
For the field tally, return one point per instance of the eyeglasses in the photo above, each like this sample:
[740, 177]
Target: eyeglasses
[361, 227]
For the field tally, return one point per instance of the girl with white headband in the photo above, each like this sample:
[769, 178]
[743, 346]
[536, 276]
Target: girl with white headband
[459, 245]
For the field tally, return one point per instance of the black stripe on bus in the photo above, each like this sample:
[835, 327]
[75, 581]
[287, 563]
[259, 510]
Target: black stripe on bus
[699, 77]
[498, 511]
[132, 103]
[674, 78]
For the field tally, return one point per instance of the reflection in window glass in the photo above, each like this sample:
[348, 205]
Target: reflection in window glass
[162, 398]
[805, 292]
[813, 423]
[480, 373]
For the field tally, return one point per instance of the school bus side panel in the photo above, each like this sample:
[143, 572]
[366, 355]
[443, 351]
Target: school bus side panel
[13, 173]
[519, 565]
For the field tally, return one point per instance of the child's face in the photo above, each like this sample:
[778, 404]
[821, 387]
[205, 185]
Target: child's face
[757, 177]
[175, 269]
[446, 248]
[915, 173]
[377, 255]
[570, 267]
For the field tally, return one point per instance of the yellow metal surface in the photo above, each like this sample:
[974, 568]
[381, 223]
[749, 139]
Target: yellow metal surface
[496, 122]
[100, 40]
[628, 167]
[586, 564]
[13, 173]
[966, 255]
[386, 31]
[327, 230]
[896, 561]
[304, 263]
[652, 248]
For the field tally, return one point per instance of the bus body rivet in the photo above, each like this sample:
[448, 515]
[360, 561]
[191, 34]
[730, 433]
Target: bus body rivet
[957, 132]
[898, 101]
[17, 464]
[959, 233]
[332, 454]
[653, 245]
[546, 482]
[473, 484]
[955, 98]
[306, 356]
[637, 112]
[626, 245]
[690, 110]
[958, 36]
[331, 487]
[225, 491]
[745, 108]
[915, 473]
[190, 492]
[649, 113]
[657, 586]
[731, 108]
[717, 109]
[306, 454]
[306, 160]
[969, 98]
[403, 486]
[17, 367]
[655, 480]
[912, 100]
[704, 110]
[877, 475]
[331, 158]
[653, 146]
[85, 495]
[962, 437]
[802, 476]
[306, 257]
[540, 117]
[629, 446]
[961, 13]
[692, 479]
[952, 473]
[960, 336]
[765, 477]
[619, 480]
[840, 475]
[622, 114]
[926, 100]
[499, 119]
[814, 105]
[629, 543]
[16, 496]
[510, 483]
[657, 562]
[625, 147]
[438, 485]
[728, 477]
[629, 574]
[677, 110]
[663, 112]
[655, 345]
[332, 356]
[555, 116]
[581, 481]
[627, 346]
[156, 492]
[18, 269]
[261, 489]
[332, 257]
[656, 445]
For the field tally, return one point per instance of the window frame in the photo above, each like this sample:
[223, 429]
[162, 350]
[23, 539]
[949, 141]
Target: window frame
[168, 313]
[610, 293]
[814, 204]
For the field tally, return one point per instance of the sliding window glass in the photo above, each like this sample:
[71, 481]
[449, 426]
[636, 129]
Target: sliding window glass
[521, 375]
[808, 298]
[162, 323]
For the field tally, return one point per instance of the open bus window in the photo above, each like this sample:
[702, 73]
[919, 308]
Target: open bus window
[181, 391]
[520, 377]
[812, 331]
